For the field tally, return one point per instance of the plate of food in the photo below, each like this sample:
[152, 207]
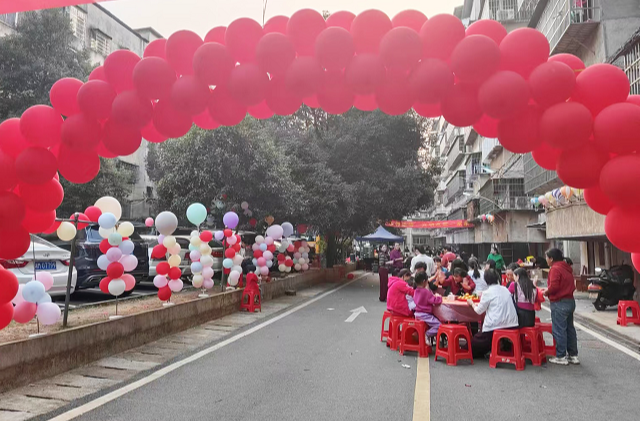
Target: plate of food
[467, 296]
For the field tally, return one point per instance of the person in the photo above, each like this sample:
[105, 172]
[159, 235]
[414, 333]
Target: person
[448, 256]
[440, 274]
[459, 283]
[561, 285]
[420, 267]
[524, 295]
[509, 274]
[477, 275]
[420, 256]
[496, 257]
[397, 293]
[424, 299]
[458, 263]
[500, 312]
[396, 257]
[490, 264]
[383, 256]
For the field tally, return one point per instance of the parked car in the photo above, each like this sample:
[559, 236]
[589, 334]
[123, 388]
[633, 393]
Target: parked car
[87, 253]
[217, 252]
[43, 257]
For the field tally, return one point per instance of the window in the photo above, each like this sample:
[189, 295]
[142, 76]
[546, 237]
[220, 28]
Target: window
[78, 22]
[100, 43]
[10, 19]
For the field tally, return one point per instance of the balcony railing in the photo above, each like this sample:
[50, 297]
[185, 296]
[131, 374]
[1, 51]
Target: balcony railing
[508, 10]
[568, 24]
[456, 153]
[537, 180]
[455, 187]
[490, 148]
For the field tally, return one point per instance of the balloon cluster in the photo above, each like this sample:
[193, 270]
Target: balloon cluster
[233, 242]
[32, 300]
[168, 272]
[488, 218]
[263, 250]
[201, 259]
[556, 197]
[301, 256]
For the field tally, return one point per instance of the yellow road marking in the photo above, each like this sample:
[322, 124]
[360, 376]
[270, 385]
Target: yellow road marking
[422, 397]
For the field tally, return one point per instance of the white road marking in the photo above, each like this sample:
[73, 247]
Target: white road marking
[604, 339]
[422, 394]
[355, 313]
[102, 400]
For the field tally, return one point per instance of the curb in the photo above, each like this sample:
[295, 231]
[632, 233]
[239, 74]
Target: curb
[623, 340]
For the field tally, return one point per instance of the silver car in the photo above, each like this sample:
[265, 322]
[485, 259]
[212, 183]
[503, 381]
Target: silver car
[217, 252]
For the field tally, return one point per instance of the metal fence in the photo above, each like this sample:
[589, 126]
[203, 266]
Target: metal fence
[558, 15]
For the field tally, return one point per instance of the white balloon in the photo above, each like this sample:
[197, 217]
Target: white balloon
[298, 267]
[194, 233]
[197, 281]
[237, 260]
[234, 276]
[104, 233]
[103, 261]
[288, 269]
[236, 269]
[196, 241]
[259, 239]
[166, 223]
[268, 240]
[233, 282]
[232, 240]
[109, 204]
[126, 229]
[269, 263]
[117, 287]
[175, 249]
[244, 205]
[175, 285]
[255, 246]
[169, 241]
[282, 268]
[205, 249]
[207, 261]
[302, 261]
[66, 231]
[275, 231]
[195, 255]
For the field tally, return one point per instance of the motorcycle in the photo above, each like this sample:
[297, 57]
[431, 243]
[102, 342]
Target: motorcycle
[611, 286]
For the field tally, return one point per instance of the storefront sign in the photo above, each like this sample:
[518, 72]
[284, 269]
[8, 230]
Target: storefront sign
[459, 223]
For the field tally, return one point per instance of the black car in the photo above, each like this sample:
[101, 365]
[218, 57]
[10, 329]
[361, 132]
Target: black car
[87, 253]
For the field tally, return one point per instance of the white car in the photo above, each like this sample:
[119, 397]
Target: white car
[185, 265]
[46, 257]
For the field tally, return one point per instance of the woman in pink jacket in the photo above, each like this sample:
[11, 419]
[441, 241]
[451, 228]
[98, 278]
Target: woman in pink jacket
[397, 293]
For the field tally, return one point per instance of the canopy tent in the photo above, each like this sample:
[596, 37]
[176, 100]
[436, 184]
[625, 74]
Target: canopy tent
[381, 235]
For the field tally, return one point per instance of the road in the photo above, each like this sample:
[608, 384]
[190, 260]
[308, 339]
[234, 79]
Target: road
[309, 363]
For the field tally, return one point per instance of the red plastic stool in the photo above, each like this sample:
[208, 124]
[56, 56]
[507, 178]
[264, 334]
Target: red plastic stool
[395, 325]
[550, 350]
[533, 345]
[515, 357]
[409, 326]
[384, 333]
[250, 303]
[453, 352]
[623, 319]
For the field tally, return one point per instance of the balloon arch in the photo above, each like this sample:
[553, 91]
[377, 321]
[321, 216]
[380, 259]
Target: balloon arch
[578, 121]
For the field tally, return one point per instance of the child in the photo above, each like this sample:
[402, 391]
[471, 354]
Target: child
[425, 300]
[397, 293]
[459, 283]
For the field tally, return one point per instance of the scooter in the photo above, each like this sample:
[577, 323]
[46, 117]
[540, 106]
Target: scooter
[611, 286]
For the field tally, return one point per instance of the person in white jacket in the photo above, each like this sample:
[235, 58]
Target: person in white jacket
[421, 257]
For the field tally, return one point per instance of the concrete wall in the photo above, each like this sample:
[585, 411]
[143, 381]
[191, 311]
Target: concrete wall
[25, 361]
[574, 221]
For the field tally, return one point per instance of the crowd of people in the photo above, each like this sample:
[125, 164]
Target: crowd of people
[508, 297]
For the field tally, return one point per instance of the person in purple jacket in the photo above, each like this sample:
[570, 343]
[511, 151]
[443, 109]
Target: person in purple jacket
[396, 257]
[425, 299]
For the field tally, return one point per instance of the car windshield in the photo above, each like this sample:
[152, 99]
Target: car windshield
[38, 240]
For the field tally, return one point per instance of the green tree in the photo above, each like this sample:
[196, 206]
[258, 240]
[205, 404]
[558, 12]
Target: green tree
[35, 57]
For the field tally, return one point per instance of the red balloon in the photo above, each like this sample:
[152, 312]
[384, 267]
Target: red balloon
[431, 80]
[523, 50]
[104, 246]
[63, 96]
[304, 77]
[131, 110]
[619, 180]
[274, 53]
[180, 48]
[552, 83]
[335, 97]
[401, 48]
[365, 73]
[8, 286]
[302, 228]
[580, 167]
[12, 210]
[230, 253]
[213, 63]
[216, 35]
[115, 270]
[153, 78]
[237, 247]
[633, 99]
[504, 95]
[303, 28]
[546, 156]
[6, 314]
[175, 273]
[282, 258]
[311, 102]
[566, 125]
[36, 165]
[78, 166]
[395, 97]
[11, 140]
[53, 228]
[163, 268]
[204, 121]
[487, 127]
[597, 200]
[118, 68]
[98, 74]
[616, 128]
[37, 222]
[104, 284]
[487, 27]
[410, 18]
[170, 121]
[206, 236]
[635, 259]
[241, 37]
[156, 48]
[224, 108]
[261, 111]
[460, 107]
[288, 263]
[271, 248]
[120, 139]
[248, 84]
[42, 198]
[189, 95]
[601, 85]
[164, 293]
[19, 243]
[622, 228]
[519, 134]
[277, 24]
[41, 125]
[159, 252]
[368, 28]
[81, 217]
[257, 254]
[81, 132]
[227, 233]
[93, 213]
[427, 110]
[440, 35]
[151, 134]
[280, 100]
[576, 64]
[253, 222]
[95, 99]
[475, 59]
[8, 176]
[334, 48]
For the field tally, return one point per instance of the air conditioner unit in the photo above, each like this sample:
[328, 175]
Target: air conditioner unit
[505, 14]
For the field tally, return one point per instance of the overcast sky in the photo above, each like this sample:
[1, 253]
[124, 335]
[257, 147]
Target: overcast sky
[168, 16]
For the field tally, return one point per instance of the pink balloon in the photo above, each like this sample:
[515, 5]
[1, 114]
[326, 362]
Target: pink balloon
[48, 313]
[175, 285]
[114, 254]
[148, 222]
[207, 272]
[262, 261]
[160, 281]
[24, 312]
[129, 281]
[208, 283]
[264, 271]
[46, 279]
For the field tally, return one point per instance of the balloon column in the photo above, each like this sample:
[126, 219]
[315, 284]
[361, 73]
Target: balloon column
[232, 258]
[263, 250]
[32, 300]
[199, 249]
[301, 256]
[168, 271]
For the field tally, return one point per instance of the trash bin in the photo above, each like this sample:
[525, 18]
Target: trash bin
[384, 281]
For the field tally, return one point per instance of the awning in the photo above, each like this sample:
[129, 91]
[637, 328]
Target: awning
[381, 235]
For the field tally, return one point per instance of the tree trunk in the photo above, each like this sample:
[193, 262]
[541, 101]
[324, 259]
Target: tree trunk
[331, 250]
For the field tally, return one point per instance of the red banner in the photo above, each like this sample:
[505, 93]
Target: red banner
[459, 223]
[13, 6]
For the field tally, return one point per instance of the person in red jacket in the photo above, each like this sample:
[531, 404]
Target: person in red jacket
[459, 283]
[561, 285]
[397, 302]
